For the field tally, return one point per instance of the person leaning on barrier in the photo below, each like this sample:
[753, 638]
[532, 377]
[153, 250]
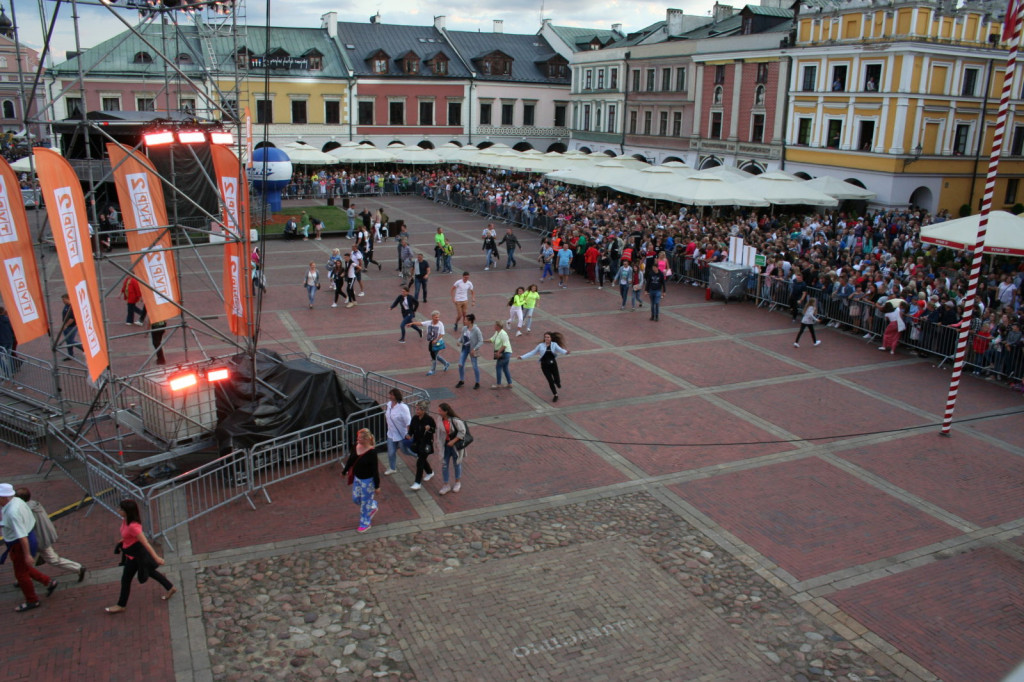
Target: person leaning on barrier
[46, 537]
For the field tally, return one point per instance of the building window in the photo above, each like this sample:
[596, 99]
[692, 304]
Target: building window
[187, 105]
[716, 126]
[427, 113]
[636, 80]
[611, 119]
[3, 62]
[961, 138]
[507, 112]
[145, 104]
[380, 65]
[242, 59]
[835, 134]
[872, 77]
[364, 111]
[8, 109]
[332, 112]
[663, 124]
[111, 103]
[559, 115]
[485, 113]
[762, 73]
[597, 118]
[681, 79]
[1017, 146]
[585, 125]
[1011, 190]
[529, 114]
[648, 118]
[316, 62]
[632, 122]
[970, 85]
[720, 74]
[613, 78]
[677, 124]
[74, 107]
[454, 113]
[412, 65]
[600, 79]
[804, 127]
[588, 79]
[264, 111]
[838, 79]
[759, 96]
[757, 128]
[716, 97]
[299, 111]
[440, 67]
[810, 75]
[184, 58]
[142, 58]
[650, 80]
[396, 112]
[666, 80]
[867, 136]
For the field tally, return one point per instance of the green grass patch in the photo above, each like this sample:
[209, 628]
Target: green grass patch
[334, 217]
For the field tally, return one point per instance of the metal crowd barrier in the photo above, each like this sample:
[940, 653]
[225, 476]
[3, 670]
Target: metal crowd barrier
[23, 430]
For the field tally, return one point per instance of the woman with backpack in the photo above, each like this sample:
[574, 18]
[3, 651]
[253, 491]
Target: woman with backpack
[455, 433]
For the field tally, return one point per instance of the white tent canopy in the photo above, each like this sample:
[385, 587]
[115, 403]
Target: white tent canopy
[1004, 233]
[302, 154]
[839, 189]
[22, 164]
[364, 153]
[604, 174]
[656, 182]
[414, 155]
[780, 190]
[702, 189]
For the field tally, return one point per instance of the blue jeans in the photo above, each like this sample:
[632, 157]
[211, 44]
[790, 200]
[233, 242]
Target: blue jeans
[655, 295]
[69, 340]
[490, 259]
[362, 494]
[450, 456]
[351, 228]
[393, 446]
[416, 289]
[405, 321]
[638, 298]
[547, 272]
[511, 257]
[447, 263]
[311, 290]
[502, 366]
[462, 363]
[624, 290]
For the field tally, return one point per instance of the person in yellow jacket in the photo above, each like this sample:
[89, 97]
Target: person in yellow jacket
[515, 311]
[530, 299]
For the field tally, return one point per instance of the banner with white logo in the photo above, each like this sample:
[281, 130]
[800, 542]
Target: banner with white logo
[234, 194]
[19, 279]
[65, 209]
[141, 197]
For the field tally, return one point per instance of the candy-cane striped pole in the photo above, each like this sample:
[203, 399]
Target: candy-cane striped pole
[986, 207]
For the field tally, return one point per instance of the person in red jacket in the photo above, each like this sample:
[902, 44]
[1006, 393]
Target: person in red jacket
[131, 292]
[590, 257]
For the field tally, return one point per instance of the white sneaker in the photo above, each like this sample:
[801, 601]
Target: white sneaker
[795, 345]
[334, 305]
[486, 268]
[817, 343]
[867, 336]
[427, 477]
[445, 490]
[457, 487]
[388, 472]
[415, 486]
[362, 293]
[519, 333]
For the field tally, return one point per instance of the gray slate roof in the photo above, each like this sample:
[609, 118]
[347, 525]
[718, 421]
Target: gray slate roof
[359, 41]
[579, 38]
[529, 54]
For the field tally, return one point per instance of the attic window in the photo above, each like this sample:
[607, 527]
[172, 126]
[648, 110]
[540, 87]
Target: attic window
[440, 67]
[143, 58]
[556, 70]
[350, 47]
[242, 59]
[380, 65]
[497, 67]
[411, 65]
[316, 62]
[184, 58]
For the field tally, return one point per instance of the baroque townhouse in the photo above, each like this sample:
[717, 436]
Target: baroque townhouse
[901, 98]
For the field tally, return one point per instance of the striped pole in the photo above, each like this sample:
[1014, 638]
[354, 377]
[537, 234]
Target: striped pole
[986, 207]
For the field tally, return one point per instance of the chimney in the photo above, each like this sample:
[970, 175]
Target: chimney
[617, 28]
[439, 23]
[674, 22]
[545, 22]
[499, 25]
[721, 12]
[330, 22]
[375, 19]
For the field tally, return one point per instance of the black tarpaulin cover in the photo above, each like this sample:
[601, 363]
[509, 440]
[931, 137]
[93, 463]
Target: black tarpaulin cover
[309, 394]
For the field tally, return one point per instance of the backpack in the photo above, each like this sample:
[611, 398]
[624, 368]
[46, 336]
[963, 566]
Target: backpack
[448, 249]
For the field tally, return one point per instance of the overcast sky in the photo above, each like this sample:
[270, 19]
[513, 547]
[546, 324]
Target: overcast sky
[520, 16]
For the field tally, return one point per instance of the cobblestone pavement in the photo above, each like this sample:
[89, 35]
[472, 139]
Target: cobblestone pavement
[704, 502]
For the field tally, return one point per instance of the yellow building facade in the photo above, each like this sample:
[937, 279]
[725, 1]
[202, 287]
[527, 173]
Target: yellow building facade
[902, 99]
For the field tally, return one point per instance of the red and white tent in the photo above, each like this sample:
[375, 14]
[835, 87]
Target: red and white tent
[1005, 233]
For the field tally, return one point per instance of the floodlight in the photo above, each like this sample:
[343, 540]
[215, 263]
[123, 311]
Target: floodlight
[183, 381]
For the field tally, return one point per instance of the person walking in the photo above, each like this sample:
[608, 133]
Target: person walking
[655, 286]
[407, 305]
[547, 255]
[352, 270]
[440, 242]
[420, 275]
[69, 327]
[131, 292]
[564, 258]
[19, 534]
[470, 341]
[422, 429]
[638, 286]
[511, 243]
[435, 340]
[137, 557]
[515, 311]
[156, 338]
[894, 326]
[530, 299]
[454, 450]
[338, 272]
[502, 354]
[365, 477]
[46, 537]
[490, 248]
[546, 352]
[807, 322]
[397, 418]
[462, 295]
[312, 283]
[624, 277]
[350, 213]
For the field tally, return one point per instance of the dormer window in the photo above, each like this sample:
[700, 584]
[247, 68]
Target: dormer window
[143, 58]
[380, 66]
[379, 61]
[316, 62]
[440, 67]
[184, 58]
[242, 58]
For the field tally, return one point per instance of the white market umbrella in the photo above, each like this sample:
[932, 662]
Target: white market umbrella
[303, 154]
[604, 174]
[654, 182]
[1004, 233]
[415, 155]
[701, 189]
[727, 173]
[449, 152]
[840, 189]
[783, 191]
[364, 153]
[562, 161]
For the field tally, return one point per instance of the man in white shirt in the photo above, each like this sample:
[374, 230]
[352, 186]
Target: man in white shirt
[462, 294]
[357, 258]
[18, 532]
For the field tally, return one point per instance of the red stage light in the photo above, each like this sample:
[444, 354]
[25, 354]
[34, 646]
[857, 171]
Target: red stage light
[191, 137]
[158, 138]
[216, 375]
[222, 138]
[183, 381]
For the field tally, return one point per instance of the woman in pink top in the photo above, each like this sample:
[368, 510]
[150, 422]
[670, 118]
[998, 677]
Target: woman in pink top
[138, 557]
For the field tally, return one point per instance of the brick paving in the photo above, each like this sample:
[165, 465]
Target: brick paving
[804, 560]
